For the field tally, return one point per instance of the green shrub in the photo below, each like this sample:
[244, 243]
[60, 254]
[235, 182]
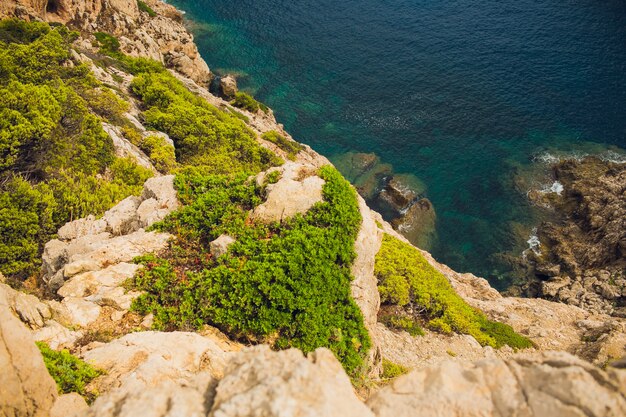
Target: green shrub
[291, 147]
[392, 370]
[203, 134]
[145, 8]
[288, 285]
[430, 291]
[69, 372]
[401, 322]
[161, 154]
[108, 43]
[56, 161]
[247, 102]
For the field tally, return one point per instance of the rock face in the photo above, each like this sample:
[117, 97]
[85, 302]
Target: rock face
[162, 37]
[582, 256]
[27, 388]
[146, 359]
[220, 245]
[90, 244]
[548, 385]
[260, 382]
[227, 87]
[297, 190]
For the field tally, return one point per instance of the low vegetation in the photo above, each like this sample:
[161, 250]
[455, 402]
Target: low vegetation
[392, 370]
[284, 284]
[56, 161]
[145, 8]
[69, 372]
[289, 146]
[407, 280]
[247, 102]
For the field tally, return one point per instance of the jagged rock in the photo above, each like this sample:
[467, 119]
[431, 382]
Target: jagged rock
[27, 388]
[82, 227]
[149, 358]
[161, 189]
[27, 307]
[259, 382]
[122, 218]
[81, 312]
[162, 37]
[56, 335]
[220, 245]
[69, 405]
[89, 283]
[551, 384]
[227, 87]
[296, 191]
[548, 270]
[167, 399]
[104, 251]
[364, 287]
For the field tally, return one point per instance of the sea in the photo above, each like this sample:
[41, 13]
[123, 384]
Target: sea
[473, 98]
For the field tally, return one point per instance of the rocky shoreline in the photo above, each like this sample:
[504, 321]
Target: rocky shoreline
[581, 254]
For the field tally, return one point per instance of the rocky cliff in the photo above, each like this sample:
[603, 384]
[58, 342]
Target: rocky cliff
[204, 372]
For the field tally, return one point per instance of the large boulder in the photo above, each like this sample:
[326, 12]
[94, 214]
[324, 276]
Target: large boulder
[552, 384]
[297, 190]
[26, 387]
[147, 359]
[263, 383]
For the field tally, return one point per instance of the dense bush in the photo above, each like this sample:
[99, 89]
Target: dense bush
[291, 147]
[203, 134]
[288, 284]
[247, 102]
[407, 279]
[69, 372]
[56, 161]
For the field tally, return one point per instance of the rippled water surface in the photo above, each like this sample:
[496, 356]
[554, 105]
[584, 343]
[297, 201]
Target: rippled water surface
[461, 94]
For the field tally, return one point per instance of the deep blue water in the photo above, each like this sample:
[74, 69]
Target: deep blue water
[461, 93]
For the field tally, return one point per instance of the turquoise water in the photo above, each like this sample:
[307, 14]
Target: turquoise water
[463, 94]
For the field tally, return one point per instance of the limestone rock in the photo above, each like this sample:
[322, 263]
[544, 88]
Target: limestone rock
[260, 382]
[296, 192]
[167, 399]
[82, 227]
[364, 287]
[161, 189]
[227, 87]
[56, 335]
[122, 218]
[548, 385]
[91, 282]
[149, 358]
[81, 312]
[27, 388]
[27, 307]
[220, 245]
[69, 405]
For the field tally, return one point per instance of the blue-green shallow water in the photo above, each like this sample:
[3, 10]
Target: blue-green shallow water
[460, 93]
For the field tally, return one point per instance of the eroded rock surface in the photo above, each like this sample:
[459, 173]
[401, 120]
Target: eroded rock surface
[26, 388]
[548, 385]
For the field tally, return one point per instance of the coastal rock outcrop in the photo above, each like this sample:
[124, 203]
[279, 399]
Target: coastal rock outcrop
[581, 259]
[549, 385]
[158, 34]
